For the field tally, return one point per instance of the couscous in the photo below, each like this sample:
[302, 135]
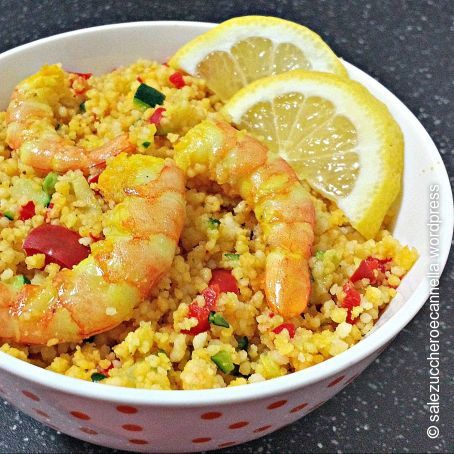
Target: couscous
[169, 342]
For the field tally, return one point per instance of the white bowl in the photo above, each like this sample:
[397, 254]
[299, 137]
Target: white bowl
[176, 421]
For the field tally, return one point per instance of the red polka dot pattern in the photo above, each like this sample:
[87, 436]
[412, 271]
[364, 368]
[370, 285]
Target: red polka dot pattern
[277, 404]
[132, 427]
[238, 425]
[298, 408]
[262, 429]
[41, 413]
[88, 431]
[336, 381]
[30, 396]
[228, 443]
[127, 409]
[211, 415]
[138, 442]
[201, 440]
[80, 415]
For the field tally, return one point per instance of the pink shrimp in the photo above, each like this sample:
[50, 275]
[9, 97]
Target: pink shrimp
[31, 126]
[283, 208]
[141, 234]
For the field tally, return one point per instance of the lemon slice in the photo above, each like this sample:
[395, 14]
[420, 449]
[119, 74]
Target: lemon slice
[244, 49]
[334, 133]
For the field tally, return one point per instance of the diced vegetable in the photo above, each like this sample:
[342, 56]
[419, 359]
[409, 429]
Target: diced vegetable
[217, 319]
[82, 107]
[59, 244]
[46, 200]
[19, 281]
[351, 300]
[146, 144]
[106, 371]
[210, 295]
[225, 281]
[157, 116]
[370, 268]
[93, 178]
[319, 255]
[290, 327]
[352, 296]
[27, 211]
[9, 215]
[201, 314]
[224, 361]
[97, 377]
[49, 183]
[176, 79]
[232, 256]
[213, 223]
[243, 342]
[147, 96]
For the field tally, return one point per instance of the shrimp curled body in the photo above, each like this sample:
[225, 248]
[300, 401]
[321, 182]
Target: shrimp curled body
[31, 125]
[283, 208]
[141, 234]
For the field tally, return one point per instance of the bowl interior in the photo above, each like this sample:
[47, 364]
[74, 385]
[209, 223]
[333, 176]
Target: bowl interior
[102, 49]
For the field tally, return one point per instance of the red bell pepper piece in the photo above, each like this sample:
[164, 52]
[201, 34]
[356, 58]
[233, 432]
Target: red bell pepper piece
[93, 178]
[290, 327]
[225, 281]
[369, 268]
[201, 314]
[59, 244]
[351, 300]
[27, 211]
[176, 79]
[210, 295]
[157, 116]
[352, 296]
[106, 371]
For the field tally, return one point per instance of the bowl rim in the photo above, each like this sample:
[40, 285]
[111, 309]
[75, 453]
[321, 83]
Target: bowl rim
[368, 346]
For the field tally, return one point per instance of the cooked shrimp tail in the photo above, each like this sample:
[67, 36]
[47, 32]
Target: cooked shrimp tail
[283, 208]
[31, 130]
[141, 234]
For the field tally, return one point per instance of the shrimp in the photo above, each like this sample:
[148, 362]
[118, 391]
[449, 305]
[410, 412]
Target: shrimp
[283, 208]
[141, 233]
[31, 126]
